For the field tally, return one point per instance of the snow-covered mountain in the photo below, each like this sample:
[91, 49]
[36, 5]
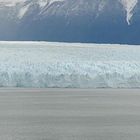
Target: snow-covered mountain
[102, 21]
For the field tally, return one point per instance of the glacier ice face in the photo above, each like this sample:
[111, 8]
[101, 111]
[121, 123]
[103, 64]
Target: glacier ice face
[44, 64]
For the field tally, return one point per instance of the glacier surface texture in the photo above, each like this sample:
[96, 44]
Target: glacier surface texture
[64, 65]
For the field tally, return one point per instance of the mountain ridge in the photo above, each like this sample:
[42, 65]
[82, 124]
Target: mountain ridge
[99, 21]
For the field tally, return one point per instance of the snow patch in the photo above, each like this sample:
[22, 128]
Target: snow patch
[43, 3]
[23, 11]
[129, 6]
[101, 6]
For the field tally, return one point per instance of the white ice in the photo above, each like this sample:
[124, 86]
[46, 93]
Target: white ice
[44, 64]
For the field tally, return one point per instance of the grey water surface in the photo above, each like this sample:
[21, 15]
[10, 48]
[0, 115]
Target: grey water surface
[69, 114]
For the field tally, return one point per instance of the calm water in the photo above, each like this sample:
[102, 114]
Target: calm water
[69, 114]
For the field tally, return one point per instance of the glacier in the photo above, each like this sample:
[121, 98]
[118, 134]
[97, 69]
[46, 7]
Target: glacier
[69, 65]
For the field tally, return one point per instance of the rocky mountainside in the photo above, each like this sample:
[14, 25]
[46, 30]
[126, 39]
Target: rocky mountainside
[99, 21]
